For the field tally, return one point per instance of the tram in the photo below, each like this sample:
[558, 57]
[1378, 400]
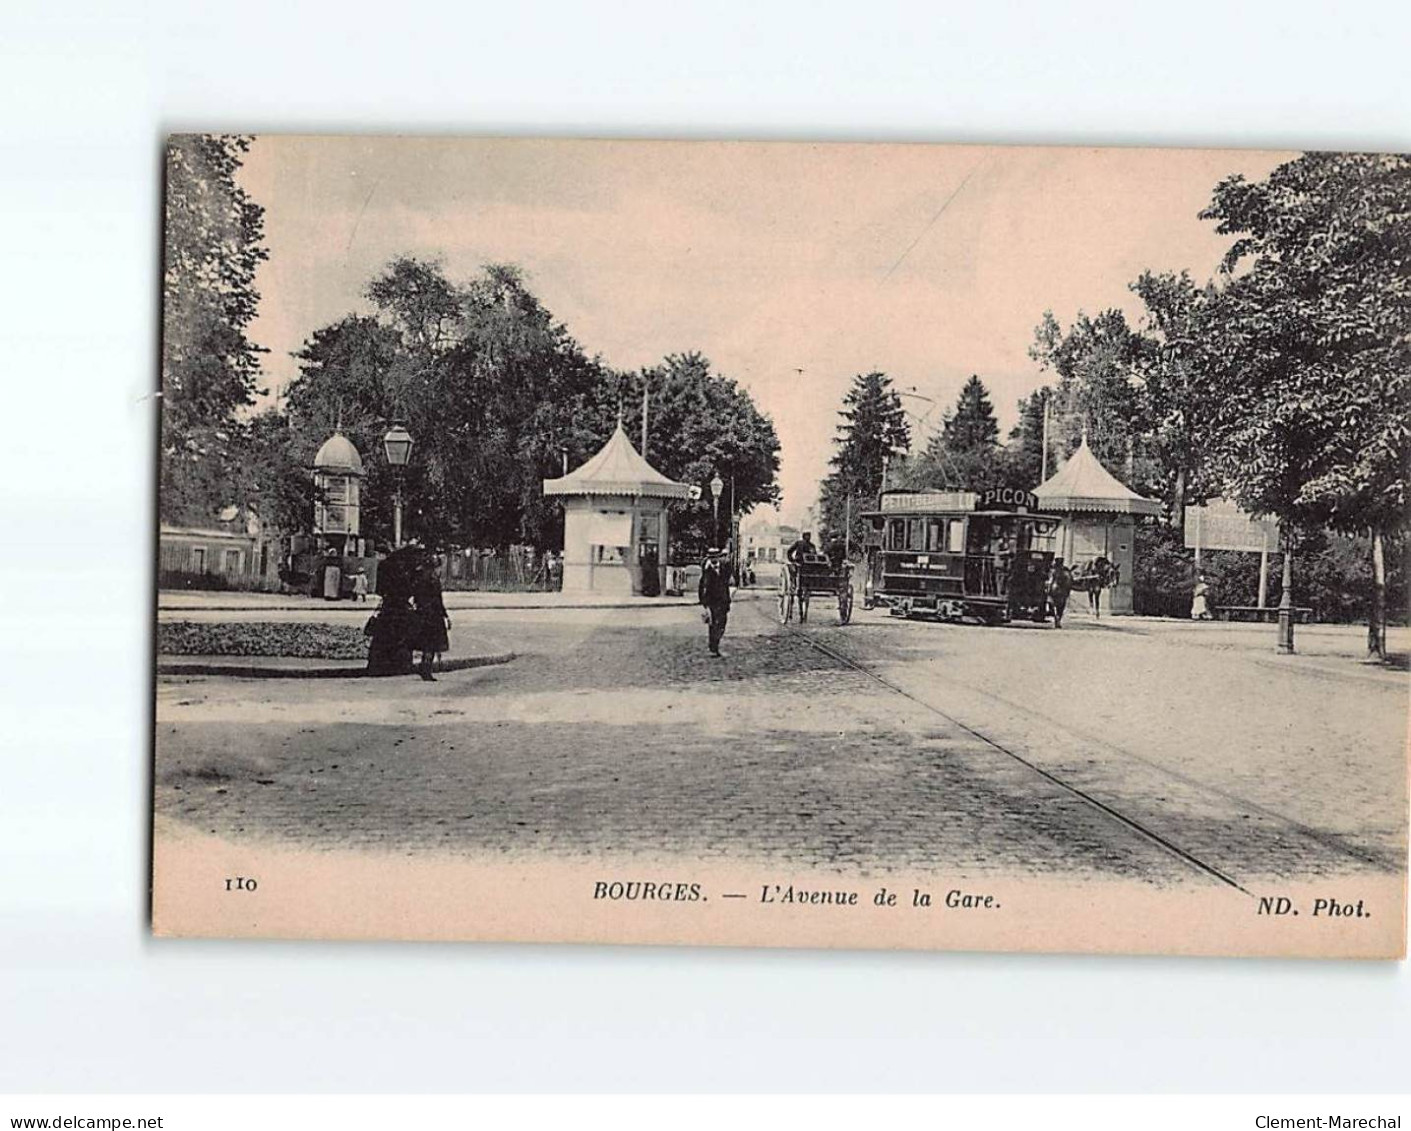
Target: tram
[954, 554]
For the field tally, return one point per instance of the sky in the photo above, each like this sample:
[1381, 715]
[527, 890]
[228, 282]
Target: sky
[792, 266]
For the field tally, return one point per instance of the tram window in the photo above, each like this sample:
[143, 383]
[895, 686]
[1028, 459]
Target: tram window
[935, 535]
[956, 545]
[916, 534]
[896, 534]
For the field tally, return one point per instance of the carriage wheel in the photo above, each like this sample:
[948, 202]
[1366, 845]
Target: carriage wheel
[803, 604]
[786, 599]
[845, 604]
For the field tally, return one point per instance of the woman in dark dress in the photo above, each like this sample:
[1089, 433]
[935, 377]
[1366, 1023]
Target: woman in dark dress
[432, 623]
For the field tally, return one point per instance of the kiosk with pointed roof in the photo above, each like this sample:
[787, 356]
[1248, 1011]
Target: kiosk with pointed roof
[615, 528]
[1099, 517]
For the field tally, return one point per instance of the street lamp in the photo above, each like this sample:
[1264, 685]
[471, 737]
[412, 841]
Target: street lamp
[717, 485]
[397, 444]
[1285, 646]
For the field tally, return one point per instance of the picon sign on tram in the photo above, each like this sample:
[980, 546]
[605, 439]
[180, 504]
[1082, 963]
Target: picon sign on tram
[1008, 499]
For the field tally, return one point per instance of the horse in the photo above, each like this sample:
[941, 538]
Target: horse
[1096, 576]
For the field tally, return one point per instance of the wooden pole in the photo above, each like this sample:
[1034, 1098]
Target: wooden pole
[646, 408]
[1043, 459]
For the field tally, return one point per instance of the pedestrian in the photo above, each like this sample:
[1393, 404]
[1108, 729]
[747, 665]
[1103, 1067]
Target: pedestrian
[1200, 599]
[360, 586]
[714, 595]
[1060, 584]
[432, 622]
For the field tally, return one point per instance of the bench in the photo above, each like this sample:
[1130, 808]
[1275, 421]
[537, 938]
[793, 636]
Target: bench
[1269, 614]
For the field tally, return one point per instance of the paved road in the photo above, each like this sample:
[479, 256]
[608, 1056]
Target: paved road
[1099, 750]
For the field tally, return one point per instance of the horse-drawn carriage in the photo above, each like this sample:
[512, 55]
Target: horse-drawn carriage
[815, 576]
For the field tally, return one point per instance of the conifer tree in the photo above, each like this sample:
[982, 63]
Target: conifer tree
[872, 433]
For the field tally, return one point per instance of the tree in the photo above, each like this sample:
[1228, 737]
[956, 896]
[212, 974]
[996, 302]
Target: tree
[1309, 368]
[702, 424]
[497, 396]
[872, 432]
[1174, 406]
[1024, 454]
[965, 454]
[349, 379]
[491, 388]
[1096, 361]
[209, 366]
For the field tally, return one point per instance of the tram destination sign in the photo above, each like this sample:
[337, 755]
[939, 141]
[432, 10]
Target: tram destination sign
[904, 502]
[1221, 525]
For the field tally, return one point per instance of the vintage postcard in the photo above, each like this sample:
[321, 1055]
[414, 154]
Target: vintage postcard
[783, 544]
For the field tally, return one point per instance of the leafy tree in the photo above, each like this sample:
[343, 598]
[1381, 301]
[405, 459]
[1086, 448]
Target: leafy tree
[701, 424]
[1096, 362]
[490, 387]
[350, 379]
[417, 299]
[498, 396]
[1174, 404]
[1309, 366]
[209, 366]
[872, 432]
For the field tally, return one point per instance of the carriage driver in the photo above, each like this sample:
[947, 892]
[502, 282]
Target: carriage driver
[801, 551]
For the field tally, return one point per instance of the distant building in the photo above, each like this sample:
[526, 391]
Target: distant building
[227, 553]
[764, 539]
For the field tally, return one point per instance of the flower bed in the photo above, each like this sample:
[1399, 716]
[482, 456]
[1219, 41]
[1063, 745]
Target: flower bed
[262, 638]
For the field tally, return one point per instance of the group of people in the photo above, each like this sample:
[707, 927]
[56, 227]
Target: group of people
[412, 617]
[803, 552]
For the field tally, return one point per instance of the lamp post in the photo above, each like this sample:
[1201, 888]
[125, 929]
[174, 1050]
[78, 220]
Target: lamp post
[1285, 647]
[717, 485]
[397, 445]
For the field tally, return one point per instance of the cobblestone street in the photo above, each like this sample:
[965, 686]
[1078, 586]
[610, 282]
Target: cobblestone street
[1011, 750]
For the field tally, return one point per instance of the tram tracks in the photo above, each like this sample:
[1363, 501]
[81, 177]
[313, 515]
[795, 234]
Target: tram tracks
[1194, 858]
